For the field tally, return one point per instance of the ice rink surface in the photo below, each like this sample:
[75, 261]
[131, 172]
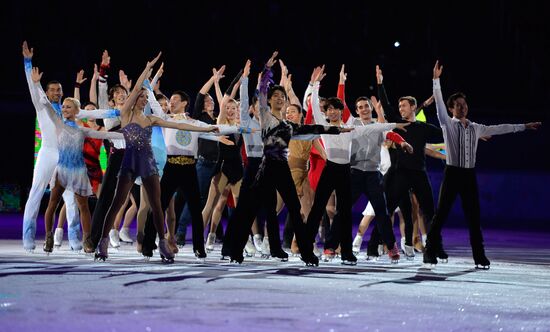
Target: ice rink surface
[68, 291]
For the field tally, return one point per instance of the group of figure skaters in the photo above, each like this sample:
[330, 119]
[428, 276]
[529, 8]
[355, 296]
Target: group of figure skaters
[256, 154]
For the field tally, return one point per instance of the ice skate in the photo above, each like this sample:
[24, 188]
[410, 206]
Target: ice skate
[402, 243]
[200, 254]
[102, 252]
[172, 244]
[114, 239]
[124, 235]
[372, 253]
[165, 252]
[310, 260]
[249, 248]
[29, 230]
[409, 252]
[316, 250]
[87, 244]
[237, 260]
[266, 251]
[281, 255]
[48, 243]
[442, 255]
[349, 259]
[294, 249]
[139, 241]
[393, 253]
[329, 254]
[430, 259]
[481, 261]
[356, 245]
[180, 239]
[257, 239]
[210, 240]
[58, 238]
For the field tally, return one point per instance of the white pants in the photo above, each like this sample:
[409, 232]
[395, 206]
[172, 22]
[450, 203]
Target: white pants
[43, 172]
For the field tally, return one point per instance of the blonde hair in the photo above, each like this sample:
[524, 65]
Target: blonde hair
[76, 102]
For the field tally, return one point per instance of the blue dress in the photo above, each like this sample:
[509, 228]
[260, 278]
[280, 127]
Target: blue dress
[138, 158]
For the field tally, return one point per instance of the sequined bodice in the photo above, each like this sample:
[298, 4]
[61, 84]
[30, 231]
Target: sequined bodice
[70, 142]
[137, 138]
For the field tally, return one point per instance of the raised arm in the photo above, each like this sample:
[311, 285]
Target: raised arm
[34, 87]
[35, 76]
[391, 113]
[230, 92]
[93, 86]
[132, 98]
[155, 83]
[318, 75]
[266, 79]
[103, 98]
[286, 82]
[442, 115]
[243, 96]
[341, 94]
[379, 109]
[79, 80]
[153, 102]
[199, 101]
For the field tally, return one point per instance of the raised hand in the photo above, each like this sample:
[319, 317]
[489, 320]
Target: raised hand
[157, 87]
[218, 73]
[318, 74]
[272, 60]
[246, 70]
[533, 125]
[95, 76]
[379, 77]
[36, 75]
[124, 80]
[160, 71]
[427, 102]
[27, 54]
[407, 147]
[105, 59]
[151, 63]
[80, 77]
[437, 70]
[343, 75]
[401, 126]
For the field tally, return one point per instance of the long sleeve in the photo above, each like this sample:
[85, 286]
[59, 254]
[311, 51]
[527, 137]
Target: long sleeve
[50, 112]
[317, 115]
[243, 108]
[341, 94]
[307, 93]
[391, 113]
[34, 88]
[102, 134]
[153, 102]
[102, 97]
[442, 115]
[372, 128]
[483, 130]
[199, 106]
[315, 129]
[98, 114]
[394, 137]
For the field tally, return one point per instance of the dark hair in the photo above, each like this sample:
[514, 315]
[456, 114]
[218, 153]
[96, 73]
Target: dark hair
[367, 99]
[91, 103]
[52, 83]
[451, 100]
[160, 96]
[297, 106]
[410, 99]
[254, 100]
[274, 88]
[334, 102]
[114, 89]
[184, 97]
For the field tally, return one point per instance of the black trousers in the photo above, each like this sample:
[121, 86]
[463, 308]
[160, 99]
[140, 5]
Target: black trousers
[267, 203]
[274, 177]
[370, 184]
[463, 182]
[106, 194]
[335, 177]
[184, 178]
[399, 183]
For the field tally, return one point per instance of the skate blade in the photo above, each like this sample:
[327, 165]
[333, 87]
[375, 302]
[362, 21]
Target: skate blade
[410, 258]
[482, 267]
[443, 260]
[429, 266]
[349, 263]
[395, 261]
[167, 260]
[208, 250]
[98, 258]
[249, 254]
[373, 258]
[264, 256]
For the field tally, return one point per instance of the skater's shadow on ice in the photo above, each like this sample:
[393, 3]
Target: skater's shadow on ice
[423, 275]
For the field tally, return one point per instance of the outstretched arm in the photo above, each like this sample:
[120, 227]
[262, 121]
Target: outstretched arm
[181, 126]
[132, 98]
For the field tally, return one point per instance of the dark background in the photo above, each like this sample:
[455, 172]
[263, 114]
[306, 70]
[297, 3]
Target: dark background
[496, 52]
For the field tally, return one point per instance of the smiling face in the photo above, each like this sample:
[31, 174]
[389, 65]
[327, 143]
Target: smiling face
[364, 110]
[177, 105]
[407, 110]
[208, 103]
[141, 100]
[70, 108]
[165, 105]
[54, 92]
[277, 100]
[231, 109]
[119, 96]
[333, 114]
[293, 114]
